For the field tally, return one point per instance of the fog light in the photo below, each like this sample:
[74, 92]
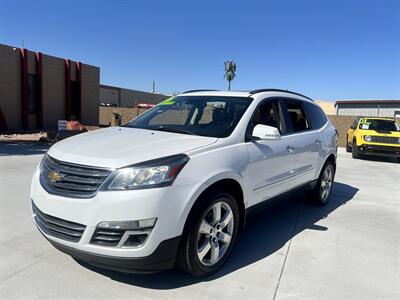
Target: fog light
[136, 240]
[129, 225]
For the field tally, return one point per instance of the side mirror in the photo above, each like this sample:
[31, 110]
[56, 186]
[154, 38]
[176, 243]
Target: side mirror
[265, 132]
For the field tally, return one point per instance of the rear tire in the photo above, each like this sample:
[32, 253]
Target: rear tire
[320, 194]
[209, 235]
[354, 151]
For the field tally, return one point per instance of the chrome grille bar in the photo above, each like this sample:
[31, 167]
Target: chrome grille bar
[107, 237]
[57, 227]
[71, 180]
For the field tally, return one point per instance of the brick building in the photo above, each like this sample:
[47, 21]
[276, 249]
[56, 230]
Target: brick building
[37, 90]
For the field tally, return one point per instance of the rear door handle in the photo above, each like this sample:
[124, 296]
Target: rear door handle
[290, 148]
[318, 142]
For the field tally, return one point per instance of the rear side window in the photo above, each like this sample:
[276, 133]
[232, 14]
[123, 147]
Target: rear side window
[316, 115]
[297, 116]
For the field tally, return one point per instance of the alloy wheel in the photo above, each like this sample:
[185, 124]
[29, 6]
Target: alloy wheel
[215, 233]
[326, 183]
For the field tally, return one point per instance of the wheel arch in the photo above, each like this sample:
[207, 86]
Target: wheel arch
[331, 158]
[231, 186]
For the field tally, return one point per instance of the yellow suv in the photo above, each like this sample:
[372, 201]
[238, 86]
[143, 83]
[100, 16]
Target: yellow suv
[374, 136]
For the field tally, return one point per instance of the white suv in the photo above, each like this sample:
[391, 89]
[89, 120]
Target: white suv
[174, 185]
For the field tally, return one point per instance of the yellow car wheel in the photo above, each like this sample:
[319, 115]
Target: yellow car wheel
[348, 147]
[354, 150]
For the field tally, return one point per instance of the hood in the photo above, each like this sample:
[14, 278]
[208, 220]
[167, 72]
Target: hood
[116, 147]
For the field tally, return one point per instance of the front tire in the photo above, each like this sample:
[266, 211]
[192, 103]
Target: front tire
[354, 151]
[209, 234]
[320, 194]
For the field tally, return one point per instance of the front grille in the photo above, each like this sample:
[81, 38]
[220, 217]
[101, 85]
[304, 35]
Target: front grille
[59, 228]
[107, 237]
[385, 139]
[71, 180]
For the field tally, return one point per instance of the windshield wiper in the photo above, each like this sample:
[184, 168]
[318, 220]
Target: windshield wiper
[172, 129]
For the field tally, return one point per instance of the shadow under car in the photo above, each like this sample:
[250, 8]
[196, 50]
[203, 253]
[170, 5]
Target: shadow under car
[264, 234]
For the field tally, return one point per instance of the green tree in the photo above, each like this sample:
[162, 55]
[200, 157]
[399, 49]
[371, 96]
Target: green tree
[230, 72]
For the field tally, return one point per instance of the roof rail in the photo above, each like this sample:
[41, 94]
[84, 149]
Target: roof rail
[192, 91]
[279, 90]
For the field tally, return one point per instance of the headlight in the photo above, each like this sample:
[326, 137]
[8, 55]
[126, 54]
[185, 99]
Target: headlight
[155, 173]
[367, 138]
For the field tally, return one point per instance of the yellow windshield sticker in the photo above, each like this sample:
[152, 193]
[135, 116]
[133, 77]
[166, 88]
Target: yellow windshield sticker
[364, 121]
[168, 101]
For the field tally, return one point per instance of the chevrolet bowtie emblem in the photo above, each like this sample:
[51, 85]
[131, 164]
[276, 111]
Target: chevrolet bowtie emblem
[54, 176]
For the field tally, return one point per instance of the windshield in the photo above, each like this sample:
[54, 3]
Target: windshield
[379, 125]
[214, 116]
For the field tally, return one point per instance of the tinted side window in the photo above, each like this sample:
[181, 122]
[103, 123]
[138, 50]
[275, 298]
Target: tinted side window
[317, 116]
[297, 116]
[267, 114]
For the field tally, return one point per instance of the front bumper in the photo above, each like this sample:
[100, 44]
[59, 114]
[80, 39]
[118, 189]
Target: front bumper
[163, 258]
[388, 151]
[170, 205]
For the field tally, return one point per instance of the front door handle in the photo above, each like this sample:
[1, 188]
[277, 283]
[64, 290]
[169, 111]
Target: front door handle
[290, 148]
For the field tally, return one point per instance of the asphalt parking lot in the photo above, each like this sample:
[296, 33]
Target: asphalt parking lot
[349, 249]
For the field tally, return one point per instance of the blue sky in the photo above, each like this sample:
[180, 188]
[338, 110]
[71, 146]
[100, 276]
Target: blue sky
[342, 49]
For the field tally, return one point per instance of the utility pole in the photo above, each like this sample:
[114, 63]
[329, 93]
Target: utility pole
[154, 87]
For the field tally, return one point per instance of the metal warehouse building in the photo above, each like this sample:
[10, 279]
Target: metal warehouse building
[37, 90]
[368, 108]
[121, 97]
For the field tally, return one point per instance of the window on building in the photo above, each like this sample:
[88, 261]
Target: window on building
[32, 93]
[75, 100]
